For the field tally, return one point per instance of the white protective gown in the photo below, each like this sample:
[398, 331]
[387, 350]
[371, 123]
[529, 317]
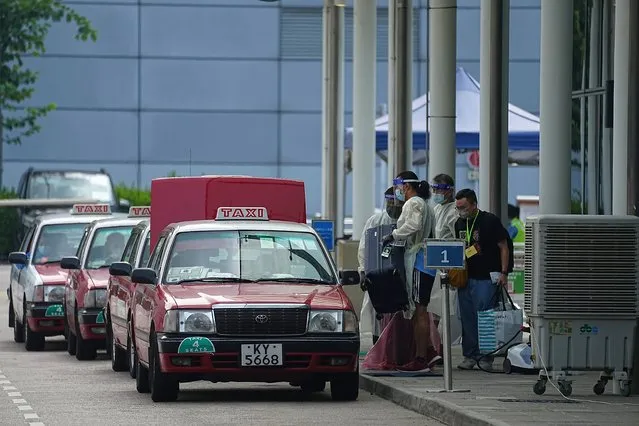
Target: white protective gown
[368, 324]
[445, 216]
[416, 222]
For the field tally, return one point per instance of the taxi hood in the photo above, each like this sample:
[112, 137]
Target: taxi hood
[98, 277]
[204, 295]
[51, 273]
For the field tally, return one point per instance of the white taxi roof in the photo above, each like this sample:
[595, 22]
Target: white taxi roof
[65, 218]
[242, 225]
[117, 221]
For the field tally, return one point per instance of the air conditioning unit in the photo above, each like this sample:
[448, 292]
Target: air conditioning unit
[581, 285]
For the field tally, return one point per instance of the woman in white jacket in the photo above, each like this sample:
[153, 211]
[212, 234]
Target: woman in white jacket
[416, 222]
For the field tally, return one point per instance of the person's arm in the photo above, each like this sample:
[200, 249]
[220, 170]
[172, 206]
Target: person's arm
[361, 249]
[413, 213]
[502, 242]
[451, 221]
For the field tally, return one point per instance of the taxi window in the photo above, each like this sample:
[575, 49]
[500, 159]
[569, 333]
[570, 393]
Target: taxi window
[107, 246]
[247, 255]
[57, 241]
[26, 241]
[131, 245]
[146, 251]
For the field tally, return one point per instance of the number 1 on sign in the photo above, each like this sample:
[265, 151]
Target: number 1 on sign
[445, 256]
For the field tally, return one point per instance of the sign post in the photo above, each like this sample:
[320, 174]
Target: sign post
[445, 255]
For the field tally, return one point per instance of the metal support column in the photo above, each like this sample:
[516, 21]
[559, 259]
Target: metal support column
[594, 109]
[555, 106]
[333, 113]
[364, 84]
[493, 138]
[400, 65]
[623, 74]
[442, 67]
[606, 133]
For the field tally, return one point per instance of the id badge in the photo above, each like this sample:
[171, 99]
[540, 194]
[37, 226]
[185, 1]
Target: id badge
[386, 252]
[471, 251]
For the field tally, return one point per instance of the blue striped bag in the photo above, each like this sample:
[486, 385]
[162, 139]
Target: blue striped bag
[499, 328]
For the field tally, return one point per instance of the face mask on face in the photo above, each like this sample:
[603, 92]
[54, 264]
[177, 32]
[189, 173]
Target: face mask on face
[399, 194]
[439, 198]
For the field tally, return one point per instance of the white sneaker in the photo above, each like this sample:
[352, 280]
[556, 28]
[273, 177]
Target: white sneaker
[467, 364]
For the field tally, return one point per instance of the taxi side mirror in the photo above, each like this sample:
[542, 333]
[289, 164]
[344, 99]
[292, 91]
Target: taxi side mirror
[18, 258]
[144, 276]
[349, 277]
[120, 269]
[70, 262]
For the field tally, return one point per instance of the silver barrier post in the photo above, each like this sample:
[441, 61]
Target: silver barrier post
[445, 255]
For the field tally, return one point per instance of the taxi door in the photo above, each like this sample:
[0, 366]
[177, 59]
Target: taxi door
[146, 304]
[71, 284]
[119, 290]
[19, 276]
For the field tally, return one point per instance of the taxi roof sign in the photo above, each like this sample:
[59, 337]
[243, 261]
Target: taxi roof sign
[80, 209]
[140, 211]
[242, 213]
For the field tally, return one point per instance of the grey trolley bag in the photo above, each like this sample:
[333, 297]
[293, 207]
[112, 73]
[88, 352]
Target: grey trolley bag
[384, 272]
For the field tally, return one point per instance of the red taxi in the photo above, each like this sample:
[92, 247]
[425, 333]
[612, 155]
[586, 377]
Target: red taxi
[247, 299]
[85, 290]
[119, 292]
[36, 287]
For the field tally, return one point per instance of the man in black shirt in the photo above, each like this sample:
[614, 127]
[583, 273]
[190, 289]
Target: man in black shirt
[487, 257]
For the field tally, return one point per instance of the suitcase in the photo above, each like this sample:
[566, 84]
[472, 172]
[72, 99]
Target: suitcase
[385, 272]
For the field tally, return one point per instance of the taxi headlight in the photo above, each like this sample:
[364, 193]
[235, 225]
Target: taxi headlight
[95, 298]
[332, 322]
[54, 294]
[189, 321]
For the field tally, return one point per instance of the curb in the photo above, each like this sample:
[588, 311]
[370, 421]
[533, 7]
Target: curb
[435, 408]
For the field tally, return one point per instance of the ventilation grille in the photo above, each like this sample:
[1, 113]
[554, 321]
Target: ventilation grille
[301, 33]
[529, 277]
[586, 269]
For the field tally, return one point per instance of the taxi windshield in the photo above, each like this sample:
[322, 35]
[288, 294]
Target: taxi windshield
[247, 255]
[77, 185]
[57, 241]
[107, 246]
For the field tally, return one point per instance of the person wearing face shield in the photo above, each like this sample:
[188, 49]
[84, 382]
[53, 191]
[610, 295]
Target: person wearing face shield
[368, 323]
[415, 223]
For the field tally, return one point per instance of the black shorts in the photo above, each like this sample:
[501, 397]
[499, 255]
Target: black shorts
[423, 286]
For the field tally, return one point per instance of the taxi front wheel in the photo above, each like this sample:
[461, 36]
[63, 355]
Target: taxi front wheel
[345, 388]
[84, 350]
[32, 341]
[163, 387]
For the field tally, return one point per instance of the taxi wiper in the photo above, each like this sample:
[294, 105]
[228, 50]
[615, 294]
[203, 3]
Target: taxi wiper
[48, 262]
[215, 280]
[295, 280]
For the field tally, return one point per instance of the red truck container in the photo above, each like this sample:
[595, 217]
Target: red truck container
[179, 199]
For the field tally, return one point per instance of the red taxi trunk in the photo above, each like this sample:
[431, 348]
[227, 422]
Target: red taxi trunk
[198, 198]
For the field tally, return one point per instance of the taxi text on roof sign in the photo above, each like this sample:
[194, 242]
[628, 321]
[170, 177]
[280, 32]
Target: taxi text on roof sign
[241, 213]
[139, 211]
[91, 209]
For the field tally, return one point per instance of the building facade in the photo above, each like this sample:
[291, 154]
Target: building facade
[225, 87]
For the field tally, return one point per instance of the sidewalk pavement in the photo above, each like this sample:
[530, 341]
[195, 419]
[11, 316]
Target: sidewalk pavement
[501, 399]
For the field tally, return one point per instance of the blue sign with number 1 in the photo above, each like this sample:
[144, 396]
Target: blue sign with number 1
[445, 254]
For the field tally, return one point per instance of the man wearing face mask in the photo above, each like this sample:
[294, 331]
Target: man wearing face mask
[487, 260]
[392, 210]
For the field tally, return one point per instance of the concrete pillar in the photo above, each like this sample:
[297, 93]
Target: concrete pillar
[555, 106]
[333, 114]
[364, 106]
[625, 69]
[442, 66]
[594, 109]
[493, 138]
[400, 65]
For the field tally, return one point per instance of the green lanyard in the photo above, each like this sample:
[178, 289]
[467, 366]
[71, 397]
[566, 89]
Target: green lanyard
[471, 228]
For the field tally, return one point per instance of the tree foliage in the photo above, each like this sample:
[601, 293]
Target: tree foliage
[24, 25]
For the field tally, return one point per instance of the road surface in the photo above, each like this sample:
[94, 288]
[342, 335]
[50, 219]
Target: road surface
[52, 388]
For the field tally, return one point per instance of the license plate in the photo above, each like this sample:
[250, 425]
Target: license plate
[262, 355]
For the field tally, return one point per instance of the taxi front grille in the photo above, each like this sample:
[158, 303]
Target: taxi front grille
[261, 321]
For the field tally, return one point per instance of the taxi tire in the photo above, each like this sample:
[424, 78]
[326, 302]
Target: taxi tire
[12, 314]
[141, 378]
[345, 388]
[84, 351]
[163, 387]
[132, 356]
[32, 341]
[70, 339]
[118, 356]
[18, 331]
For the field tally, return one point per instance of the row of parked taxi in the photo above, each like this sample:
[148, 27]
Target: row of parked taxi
[215, 289]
